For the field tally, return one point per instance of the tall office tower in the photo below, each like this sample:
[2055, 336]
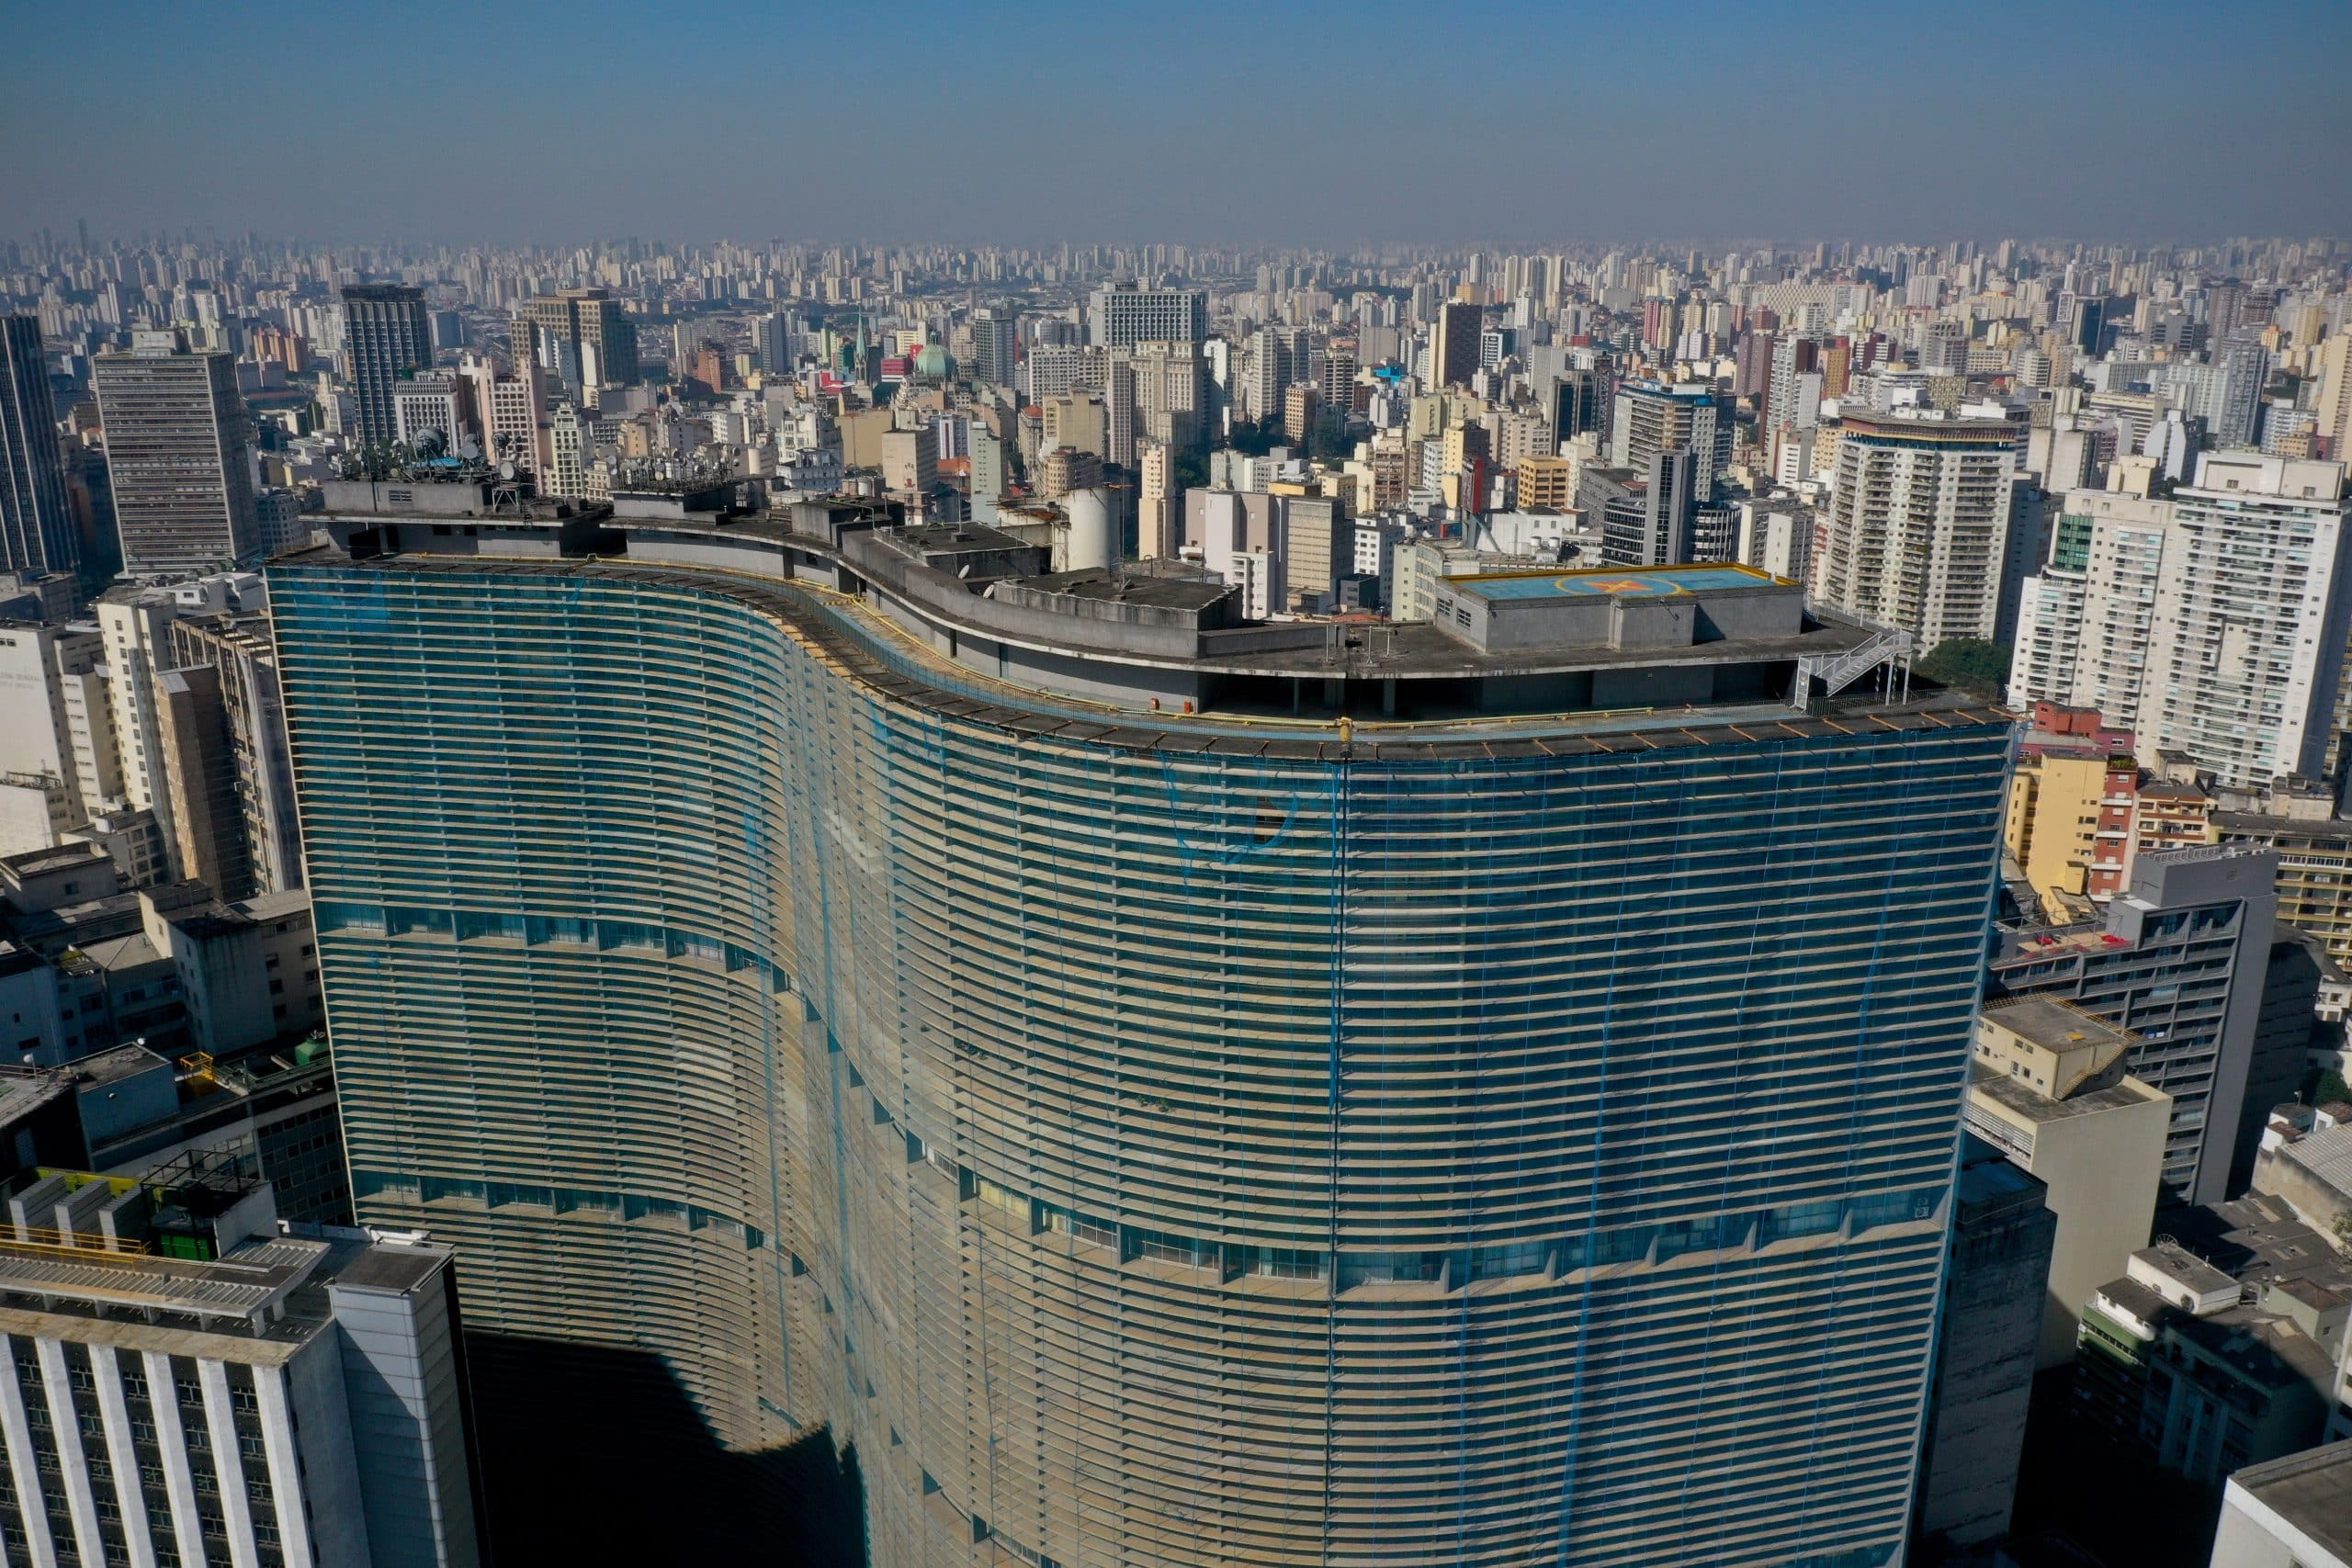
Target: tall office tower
[1121, 315]
[179, 455]
[996, 345]
[1651, 416]
[2085, 326]
[2181, 961]
[36, 520]
[1918, 531]
[1453, 344]
[594, 325]
[387, 335]
[2246, 370]
[1120, 413]
[1580, 403]
[181, 1382]
[775, 342]
[1338, 385]
[1654, 525]
[847, 1027]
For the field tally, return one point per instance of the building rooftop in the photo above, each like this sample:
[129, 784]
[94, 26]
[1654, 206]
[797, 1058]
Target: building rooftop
[970, 611]
[2326, 1153]
[2312, 1491]
[2031, 1105]
[2055, 1022]
[1617, 582]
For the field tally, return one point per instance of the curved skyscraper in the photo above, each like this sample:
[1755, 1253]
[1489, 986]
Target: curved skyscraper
[1168, 1089]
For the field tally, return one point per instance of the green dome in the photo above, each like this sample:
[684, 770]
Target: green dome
[933, 361]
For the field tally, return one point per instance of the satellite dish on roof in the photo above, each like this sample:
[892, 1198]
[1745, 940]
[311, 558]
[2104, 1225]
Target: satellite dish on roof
[506, 470]
[469, 449]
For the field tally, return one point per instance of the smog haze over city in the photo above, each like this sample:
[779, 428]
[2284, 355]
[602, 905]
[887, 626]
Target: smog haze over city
[1216, 123]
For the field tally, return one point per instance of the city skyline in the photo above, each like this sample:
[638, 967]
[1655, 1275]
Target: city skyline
[1229, 125]
[1206, 903]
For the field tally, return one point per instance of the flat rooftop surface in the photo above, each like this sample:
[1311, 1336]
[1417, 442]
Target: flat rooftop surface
[2312, 1491]
[1615, 581]
[2054, 1021]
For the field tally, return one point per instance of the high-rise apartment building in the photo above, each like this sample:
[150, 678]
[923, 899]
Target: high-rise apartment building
[179, 453]
[2253, 602]
[387, 336]
[1453, 344]
[1121, 315]
[1916, 535]
[842, 1040]
[1651, 416]
[2087, 621]
[594, 325]
[36, 520]
[2211, 624]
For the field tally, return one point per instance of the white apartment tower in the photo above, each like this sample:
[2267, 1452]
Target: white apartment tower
[2085, 620]
[1916, 535]
[2252, 610]
[2213, 623]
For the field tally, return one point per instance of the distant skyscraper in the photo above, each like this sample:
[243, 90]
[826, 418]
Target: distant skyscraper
[778, 343]
[36, 520]
[179, 450]
[1918, 527]
[387, 335]
[596, 326]
[995, 339]
[1453, 344]
[1651, 416]
[1122, 315]
[825, 1030]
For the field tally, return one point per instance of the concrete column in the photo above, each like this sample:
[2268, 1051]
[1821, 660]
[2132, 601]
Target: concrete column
[65, 1429]
[24, 1466]
[227, 1466]
[130, 1491]
[285, 1466]
[171, 1439]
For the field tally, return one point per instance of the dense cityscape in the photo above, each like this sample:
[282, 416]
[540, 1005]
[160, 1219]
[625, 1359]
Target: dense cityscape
[1149, 904]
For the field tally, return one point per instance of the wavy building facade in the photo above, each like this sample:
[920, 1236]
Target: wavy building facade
[1168, 1090]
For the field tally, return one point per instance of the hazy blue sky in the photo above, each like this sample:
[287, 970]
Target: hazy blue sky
[1201, 120]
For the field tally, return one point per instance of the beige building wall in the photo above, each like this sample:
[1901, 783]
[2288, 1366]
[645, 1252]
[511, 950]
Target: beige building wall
[2103, 1163]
